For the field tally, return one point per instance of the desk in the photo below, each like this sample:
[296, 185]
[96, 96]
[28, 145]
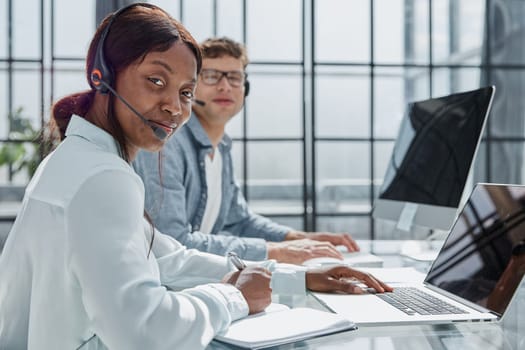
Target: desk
[507, 334]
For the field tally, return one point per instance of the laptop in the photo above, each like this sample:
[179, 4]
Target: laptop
[475, 276]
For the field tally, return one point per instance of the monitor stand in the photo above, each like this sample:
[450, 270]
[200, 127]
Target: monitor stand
[406, 218]
[424, 250]
[418, 250]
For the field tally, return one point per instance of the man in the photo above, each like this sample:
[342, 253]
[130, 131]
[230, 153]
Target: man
[195, 197]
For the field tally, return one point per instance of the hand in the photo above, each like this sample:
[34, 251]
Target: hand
[342, 279]
[298, 251]
[335, 238]
[254, 284]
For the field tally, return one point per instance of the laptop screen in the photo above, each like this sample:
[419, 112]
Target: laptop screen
[483, 257]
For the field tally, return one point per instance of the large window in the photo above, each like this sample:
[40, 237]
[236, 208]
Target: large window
[329, 83]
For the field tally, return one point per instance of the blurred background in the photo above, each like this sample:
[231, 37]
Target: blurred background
[330, 80]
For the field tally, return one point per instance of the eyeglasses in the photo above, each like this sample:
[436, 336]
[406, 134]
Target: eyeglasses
[213, 77]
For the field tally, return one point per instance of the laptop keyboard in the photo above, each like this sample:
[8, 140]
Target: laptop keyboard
[413, 301]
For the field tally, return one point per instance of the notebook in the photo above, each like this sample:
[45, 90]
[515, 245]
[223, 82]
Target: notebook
[279, 324]
[477, 271]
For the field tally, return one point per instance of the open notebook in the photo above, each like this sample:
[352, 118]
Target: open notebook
[279, 324]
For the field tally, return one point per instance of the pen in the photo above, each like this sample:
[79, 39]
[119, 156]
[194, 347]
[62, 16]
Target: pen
[236, 261]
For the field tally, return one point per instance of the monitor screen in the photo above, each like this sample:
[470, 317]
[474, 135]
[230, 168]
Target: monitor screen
[431, 159]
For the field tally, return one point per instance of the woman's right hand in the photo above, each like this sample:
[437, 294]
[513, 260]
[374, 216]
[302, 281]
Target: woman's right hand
[254, 284]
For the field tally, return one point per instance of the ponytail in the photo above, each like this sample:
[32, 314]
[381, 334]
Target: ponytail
[78, 103]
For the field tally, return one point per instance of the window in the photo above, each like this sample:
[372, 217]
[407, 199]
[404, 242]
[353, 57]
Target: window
[329, 83]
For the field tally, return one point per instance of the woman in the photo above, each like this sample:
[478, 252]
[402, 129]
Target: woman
[81, 268]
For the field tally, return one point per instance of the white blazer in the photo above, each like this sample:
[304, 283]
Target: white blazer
[75, 271]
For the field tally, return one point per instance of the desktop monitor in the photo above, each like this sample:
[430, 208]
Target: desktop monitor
[431, 160]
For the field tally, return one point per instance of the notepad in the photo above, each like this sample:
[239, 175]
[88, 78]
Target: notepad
[279, 324]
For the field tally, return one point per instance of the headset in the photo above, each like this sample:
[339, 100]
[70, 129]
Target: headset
[246, 86]
[102, 75]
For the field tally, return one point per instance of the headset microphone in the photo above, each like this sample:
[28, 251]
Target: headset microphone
[200, 103]
[159, 132]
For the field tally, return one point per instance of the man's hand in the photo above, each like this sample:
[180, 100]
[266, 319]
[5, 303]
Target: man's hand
[336, 239]
[298, 251]
[343, 279]
[254, 284]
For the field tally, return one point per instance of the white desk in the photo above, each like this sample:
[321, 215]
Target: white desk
[508, 334]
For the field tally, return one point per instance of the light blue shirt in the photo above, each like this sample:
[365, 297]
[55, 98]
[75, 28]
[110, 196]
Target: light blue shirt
[76, 266]
[176, 198]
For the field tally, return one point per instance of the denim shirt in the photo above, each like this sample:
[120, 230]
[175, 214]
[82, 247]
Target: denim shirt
[176, 198]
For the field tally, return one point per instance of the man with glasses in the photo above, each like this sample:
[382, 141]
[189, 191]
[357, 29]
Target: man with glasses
[195, 198]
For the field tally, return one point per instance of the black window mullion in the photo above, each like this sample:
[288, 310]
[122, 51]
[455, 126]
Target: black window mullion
[10, 73]
[372, 115]
[488, 75]
[215, 17]
[430, 51]
[311, 209]
[245, 113]
[304, 121]
[42, 74]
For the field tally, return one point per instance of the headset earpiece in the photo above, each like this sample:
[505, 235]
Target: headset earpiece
[101, 73]
[246, 85]
[246, 88]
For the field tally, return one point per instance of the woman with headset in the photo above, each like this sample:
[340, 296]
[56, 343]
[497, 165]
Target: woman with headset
[83, 267]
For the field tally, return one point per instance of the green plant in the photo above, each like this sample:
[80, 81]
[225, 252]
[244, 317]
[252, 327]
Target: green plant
[24, 152]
